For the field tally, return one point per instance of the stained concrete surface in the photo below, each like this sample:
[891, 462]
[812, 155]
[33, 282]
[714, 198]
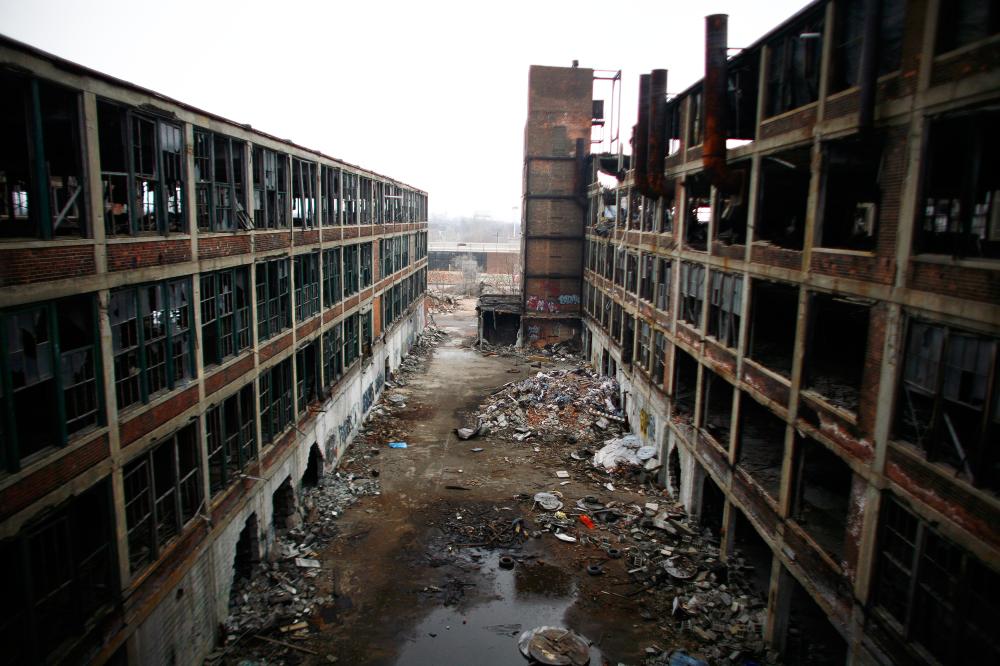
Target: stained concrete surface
[406, 595]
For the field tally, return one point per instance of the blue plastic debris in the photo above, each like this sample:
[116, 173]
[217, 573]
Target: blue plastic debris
[397, 445]
[681, 658]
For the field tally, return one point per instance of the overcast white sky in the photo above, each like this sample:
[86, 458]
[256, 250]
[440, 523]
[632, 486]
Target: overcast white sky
[431, 93]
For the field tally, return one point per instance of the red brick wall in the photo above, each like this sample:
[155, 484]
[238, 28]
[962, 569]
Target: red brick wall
[128, 256]
[853, 266]
[27, 265]
[150, 419]
[792, 121]
[776, 256]
[978, 284]
[223, 246]
[271, 241]
[308, 327]
[269, 349]
[36, 485]
[231, 372]
[767, 386]
[977, 61]
[307, 237]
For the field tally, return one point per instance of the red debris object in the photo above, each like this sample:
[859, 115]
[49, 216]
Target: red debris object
[585, 519]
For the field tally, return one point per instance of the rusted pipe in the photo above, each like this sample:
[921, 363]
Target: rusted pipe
[714, 99]
[868, 67]
[656, 149]
[640, 136]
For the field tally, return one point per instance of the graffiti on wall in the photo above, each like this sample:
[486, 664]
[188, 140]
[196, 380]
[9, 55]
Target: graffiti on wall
[552, 304]
[647, 424]
[379, 381]
[367, 398]
[534, 332]
[345, 428]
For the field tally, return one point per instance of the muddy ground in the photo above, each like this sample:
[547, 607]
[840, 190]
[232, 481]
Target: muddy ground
[411, 586]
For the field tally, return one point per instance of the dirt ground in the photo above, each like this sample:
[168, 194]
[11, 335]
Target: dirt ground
[412, 586]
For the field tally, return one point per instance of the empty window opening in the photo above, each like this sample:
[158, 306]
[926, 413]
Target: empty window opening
[962, 22]
[314, 468]
[939, 595]
[751, 554]
[851, 193]
[713, 504]
[501, 328]
[628, 339]
[761, 444]
[61, 575]
[631, 272]
[811, 639]
[848, 38]
[698, 212]
[664, 275]
[794, 63]
[330, 203]
[725, 303]
[835, 353]
[822, 493]
[645, 345]
[219, 182]
[773, 315]
[270, 188]
[718, 407]
[692, 293]
[247, 552]
[732, 209]
[961, 185]
[647, 274]
[685, 385]
[42, 184]
[674, 473]
[659, 358]
[949, 400]
[284, 508]
[303, 193]
[784, 194]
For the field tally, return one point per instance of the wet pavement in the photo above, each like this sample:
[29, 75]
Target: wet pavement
[411, 588]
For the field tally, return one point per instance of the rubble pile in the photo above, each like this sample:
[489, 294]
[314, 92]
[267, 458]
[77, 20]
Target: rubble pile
[674, 570]
[442, 302]
[577, 406]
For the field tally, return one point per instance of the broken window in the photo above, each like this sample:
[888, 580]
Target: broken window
[331, 277]
[333, 354]
[685, 384]
[49, 384]
[351, 349]
[274, 301]
[162, 494]
[793, 65]
[949, 399]
[631, 272]
[231, 433]
[365, 260]
[307, 360]
[150, 333]
[664, 272]
[276, 406]
[349, 182]
[696, 125]
[367, 320]
[306, 286]
[717, 399]
[42, 179]
[645, 340]
[646, 278]
[219, 182]
[61, 574]
[821, 495]
[692, 292]
[331, 196]
[962, 22]
[225, 314]
[142, 170]
[270, 188]
[364, 200]
[761, 444]
[961, 186]
[835, 353]
[851, 193]
[607, 267]
[659, 358]
[784, 194]
[351, 270]
[616, 322]
[698, 199]
[725, 295]
[628, 338]
[773, 314]
[848, 37]
[303, 193]
[940, 596]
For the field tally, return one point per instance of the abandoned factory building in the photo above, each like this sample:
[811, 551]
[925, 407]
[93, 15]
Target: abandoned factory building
[794, 275]
[195, 317]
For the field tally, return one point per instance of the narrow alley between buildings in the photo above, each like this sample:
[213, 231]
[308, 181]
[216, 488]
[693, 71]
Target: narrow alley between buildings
[447, 550]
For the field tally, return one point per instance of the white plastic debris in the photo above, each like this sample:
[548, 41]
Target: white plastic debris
[621, 451]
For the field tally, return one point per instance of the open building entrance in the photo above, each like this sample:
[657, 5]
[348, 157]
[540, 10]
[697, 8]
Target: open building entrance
[752, 554]
[811, 638]
[835, 354]
[761, 445]
[314, 468]
[713, 504]
[247, 550]
[822, 495]
[773, 313]
[685, 385]
[285, 513]
[674, 472]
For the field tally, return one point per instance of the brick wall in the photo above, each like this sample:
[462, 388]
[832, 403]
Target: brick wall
[212, 247]
[142, 254]
[263, 242]
[28, 265]
[220, 378]
[269, 349]
[792, 121]
[36, 485]
[150, 419]
[978, 284]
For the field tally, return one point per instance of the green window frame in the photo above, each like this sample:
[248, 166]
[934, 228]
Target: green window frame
[331, 277]
[333, 354]
[307, 375]
[225, 314]
[306, 286]
[219, 181]
[270, 189]
[276, 404]
[274, 301]
[351, 272]
[231, 438]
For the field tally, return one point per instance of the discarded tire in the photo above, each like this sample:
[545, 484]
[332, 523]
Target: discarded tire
[506, 562]
[614, 553]
[595, 569]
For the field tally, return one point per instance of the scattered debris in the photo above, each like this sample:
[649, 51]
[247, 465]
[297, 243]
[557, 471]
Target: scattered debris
[554, 646]
[397, 445]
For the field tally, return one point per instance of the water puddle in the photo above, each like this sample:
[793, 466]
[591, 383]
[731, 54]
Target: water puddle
[529, 595]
